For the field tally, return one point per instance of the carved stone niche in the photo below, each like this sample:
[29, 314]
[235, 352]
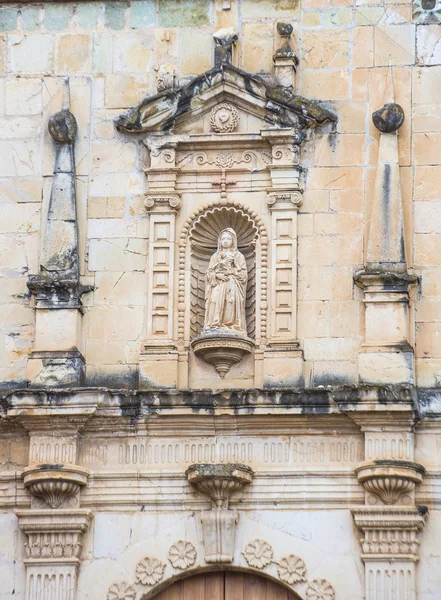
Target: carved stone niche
[224, 347]
[390, 480]
[219, 481]
[55, 485]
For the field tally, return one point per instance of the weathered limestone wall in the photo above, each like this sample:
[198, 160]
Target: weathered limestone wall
[112, 53]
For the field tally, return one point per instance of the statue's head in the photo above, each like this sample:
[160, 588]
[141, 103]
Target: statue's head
[227, 239]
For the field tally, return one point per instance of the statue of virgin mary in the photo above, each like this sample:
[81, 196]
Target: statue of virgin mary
[225, 286]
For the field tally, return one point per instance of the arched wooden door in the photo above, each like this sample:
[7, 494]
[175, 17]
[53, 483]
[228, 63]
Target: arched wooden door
[226, 586]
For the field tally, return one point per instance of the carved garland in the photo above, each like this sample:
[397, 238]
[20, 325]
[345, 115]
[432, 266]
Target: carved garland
[150, 571]
[291, 569]
[264, 261]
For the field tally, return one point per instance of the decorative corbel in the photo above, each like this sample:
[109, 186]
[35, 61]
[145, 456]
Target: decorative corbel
[218, 482]
[390, 480]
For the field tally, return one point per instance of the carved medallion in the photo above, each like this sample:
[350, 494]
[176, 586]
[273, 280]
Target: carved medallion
[182, 555]
[291, 569]
[224, 118]
[258, 554]
[149, 571]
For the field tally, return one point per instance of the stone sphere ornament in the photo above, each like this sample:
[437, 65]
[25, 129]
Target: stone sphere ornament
[389, 118]
[63, 127]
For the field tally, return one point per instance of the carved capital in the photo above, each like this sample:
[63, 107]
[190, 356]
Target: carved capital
[219, 481]
[390, 532]
[163, 203]
[54, 536]
[285, 154]
[54, 484]
[284, 199]
[390, 479]
[162, 157]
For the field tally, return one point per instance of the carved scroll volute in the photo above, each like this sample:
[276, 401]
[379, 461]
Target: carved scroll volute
[218, 482]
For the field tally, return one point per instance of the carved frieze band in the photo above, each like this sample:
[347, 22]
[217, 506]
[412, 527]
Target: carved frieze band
[291, 569]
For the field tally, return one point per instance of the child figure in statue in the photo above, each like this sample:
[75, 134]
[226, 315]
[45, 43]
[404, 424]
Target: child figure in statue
[225, 286]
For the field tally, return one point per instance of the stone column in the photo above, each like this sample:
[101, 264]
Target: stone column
[159, 357]
[55, 524]
[283, 361]
[285, 59]
[57, 359]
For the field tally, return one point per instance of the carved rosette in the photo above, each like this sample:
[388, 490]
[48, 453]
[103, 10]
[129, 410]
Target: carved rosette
[390, 480]
[224, 118]
[320, 589]
[182, 555]
[121, 591]
[258, 554]
[55, 484]
[292, 569]
[149, 571]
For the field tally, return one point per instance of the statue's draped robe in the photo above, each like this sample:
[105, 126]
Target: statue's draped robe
[225, 300]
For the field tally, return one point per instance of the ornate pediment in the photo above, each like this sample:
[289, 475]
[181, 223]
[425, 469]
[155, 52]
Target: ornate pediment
[262, 96]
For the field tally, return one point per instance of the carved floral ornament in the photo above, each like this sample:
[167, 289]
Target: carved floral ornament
[291, 569]
[150, 571]
[224, 118]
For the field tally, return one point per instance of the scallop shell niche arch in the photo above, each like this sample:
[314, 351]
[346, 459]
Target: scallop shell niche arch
[201, 229]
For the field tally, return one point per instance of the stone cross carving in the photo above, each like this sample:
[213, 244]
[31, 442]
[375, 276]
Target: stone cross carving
[226, 283]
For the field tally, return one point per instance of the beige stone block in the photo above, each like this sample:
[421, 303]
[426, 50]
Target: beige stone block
[394, 44]
[429, 44]
[326, 48]
[158, 370]
[257, 47]
[196, 52]
[274, 9]
[113, 157]
[73, 54]
[111, 228]
[428, 373]
[426, 85]
[344, 319]
[20, 127]
[330, 348]
[426, 117]
[386, 323]
[283, 369]
[427, 183]
[124, 91]
[385, 367]
[20, 158]
[346, 200]
[311, 19]
[428, 340]
[305, 224]
[313, 319]
[20, 218]
[117, 255]
[3, 54]
[306, 4]
[104, 353]
[363, 47]
[325, 283]
[23, 96]
[427, 249]
[102, 53]
[117, 184]
[426, 148]
[334, 372]
[315, 201]
[103, 126]
[330, 85]
[30, 53]
[121, 289]
[352, 117]
[360, 79]
[57, 329]
[428, 217]
[345, 149]
[167, 45]
[340, 224]
[133, 52]
[431, 282]
[113, 207]
[80, 101]
[335, 178]
[116, 323]
[428, 311]
[324, 250]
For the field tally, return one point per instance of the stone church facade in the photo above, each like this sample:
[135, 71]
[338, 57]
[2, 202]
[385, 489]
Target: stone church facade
[220, 261]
